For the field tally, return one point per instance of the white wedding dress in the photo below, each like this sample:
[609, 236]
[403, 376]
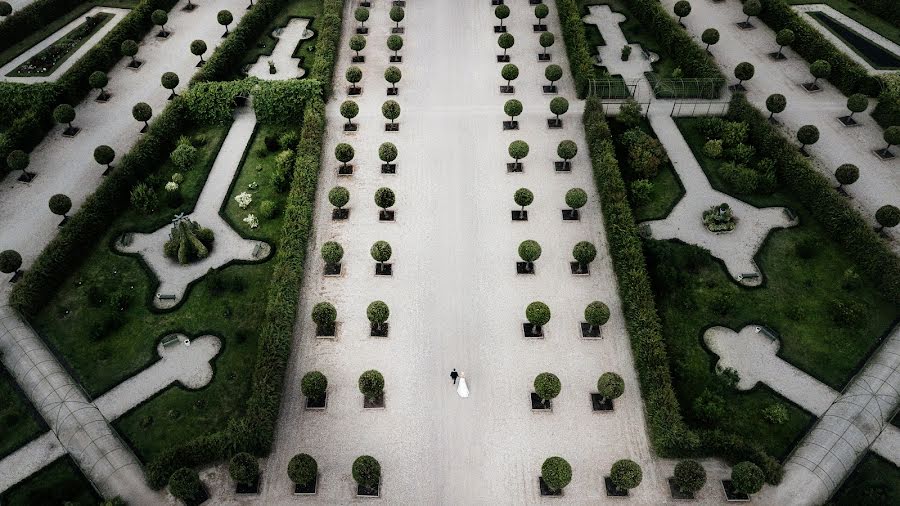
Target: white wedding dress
[462, 389]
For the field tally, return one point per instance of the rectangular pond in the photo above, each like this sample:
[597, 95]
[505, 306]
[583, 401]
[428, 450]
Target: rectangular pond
[877, 56]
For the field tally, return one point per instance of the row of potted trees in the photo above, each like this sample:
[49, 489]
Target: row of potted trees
[354, 76]
[390, 109]
[303, 470]
[576, 198]
[530, 251]
[513, 108]
[387, 152]
[339, 196]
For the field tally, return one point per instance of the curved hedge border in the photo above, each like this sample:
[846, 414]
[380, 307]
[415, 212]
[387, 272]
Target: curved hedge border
[577, 49]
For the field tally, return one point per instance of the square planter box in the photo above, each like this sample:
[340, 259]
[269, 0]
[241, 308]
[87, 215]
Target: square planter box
[134, 65]
[73, 131]
[847, 121]
[374, 403]
[27, 177]
[745, 25]
[351, 127]
[251, 489]
[579, 270]
[571, 215]
[366, 492]
[510, 125]
[811, 87]
[388, 168]
[525, 268]
[317, 404]
[519, 215]
[539, 28]
[359, 59]
[354, 91]
[544, 57]
[345, 170]
[677, 494]
[374, 332]
[399, 3]
[554, 123]
[549, 90]
[611, 489]
[515, 167]
[499, 29]
[385, 215]
[884, 154]
[333, 271]
[340, 214]
[776, 56]
[203, 498]
[393, 91]
[327, 333]
[392, 127]
[385, 269]
[737, 87]
[365, 4]
[362, 30]
[163, 34]
[189, 7]
[496, 2]
[396, 59]
[397, 29]
[598, 403]
[535, 2]
[507, 90]
[731, 495]
[532, 331]
[307, 490]
[588, 333]
[537, 404]
[562, 166]
[103, 97]
[502, 58]
[545, 490]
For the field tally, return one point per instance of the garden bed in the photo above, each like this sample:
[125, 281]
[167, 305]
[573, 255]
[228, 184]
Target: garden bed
[20, 422]
[59, 483]
[265, 44]
[50, 58]
[874, 482]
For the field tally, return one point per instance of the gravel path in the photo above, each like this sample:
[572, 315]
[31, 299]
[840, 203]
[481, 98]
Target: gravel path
[118, 14]
[287, 67]
[879, 181]
[888, 444]
[607, 22]
[39, 453]
[228, 246]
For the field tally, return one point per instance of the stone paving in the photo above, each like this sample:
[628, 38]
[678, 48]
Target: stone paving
[228, 245]
[286, 66]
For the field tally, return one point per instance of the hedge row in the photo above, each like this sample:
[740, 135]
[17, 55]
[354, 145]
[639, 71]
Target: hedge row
[31, 18]
[226, 60]
[329, 37]
[887, 112]
[868, 251]
[273, 101]
[847, 75]
[669, 434]
[577, 48]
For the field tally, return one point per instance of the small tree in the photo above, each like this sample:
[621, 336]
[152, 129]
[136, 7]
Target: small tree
[129, 48]
[783, 38]
[546, 40]
[362, 15]
[630, 113]
[378, 313]
[529, 251]
[891, 137]
[820, 69]
[60, 204]
[596, 314]
[384, 198]
[509, 72]
[689, 476]
[324, 315]
[709, 37]
[611, 386]
[518, 150]
[371, 384]
[512, 107]
[538, 314]
[387, 152]
[807, 134]
[64, 113]
[357, 43]
[391, 110]
[502, 12]
[887, 216]
[396, 14]
[185, 484]
[244, 469]
[159, 17]
[555, 471]
[523, 197]
[626, 474]
[576, 198]
[547, 386]
[339, 196]
[584, 253]
[392, 75]
[303, 470]
[395, 43]
[313, 385]
[198, 47]
[10, 261]
[5, 9]
[553, 73]
[846, 174]
[349, 110]
[381, 252]
[332, 253]
[505, 41]
[541, 11]
[142, 112]
[743, 72]
[19, 160]
[367, 470]
[225, 18]
[354, 75]
[98, 81]
[170, 81]
[775, 103]
[682, 9]
[184, 156]
[856, 103]
[104, 155]
[751, 8]
[344, 153]
[559, 106]
[747, 478]
[567, 150]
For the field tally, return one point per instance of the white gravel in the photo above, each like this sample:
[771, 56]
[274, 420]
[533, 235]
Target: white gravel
[286, 66]
[607, 22]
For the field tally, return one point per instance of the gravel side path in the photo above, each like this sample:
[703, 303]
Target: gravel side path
[888, 444]
[118, 14]
[286, 66]
[879, 181]
[39, 453]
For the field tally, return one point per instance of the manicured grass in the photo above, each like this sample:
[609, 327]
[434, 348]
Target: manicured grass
[18, 419]
[63, 48]
[859, 14]
[294, 9]
[55, 24]
[874, 482]
[59, 483]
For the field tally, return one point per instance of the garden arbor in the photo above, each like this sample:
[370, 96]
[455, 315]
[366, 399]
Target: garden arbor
[142, 112]
[198, 47]
[224, 18]
[303, 470]
[65, 114]
[505, 41]
[98, 81]
[855, 103]
[546, 387]
[709, 37]
[556, 473]
[538, 314]
[596, 314]
[783, 38]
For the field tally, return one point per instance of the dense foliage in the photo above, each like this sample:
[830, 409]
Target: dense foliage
[577, 48]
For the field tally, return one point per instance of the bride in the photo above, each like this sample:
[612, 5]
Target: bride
[462, 389]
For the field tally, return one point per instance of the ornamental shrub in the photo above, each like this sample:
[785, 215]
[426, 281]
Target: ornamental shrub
[529, 251]
[747, 478]
[371, 384]
[556, 472]
[324, 314]
[10, 261]
[689, 476]
[184, 156]
[610, 385]
[576, 198]
[625, 474]
[547, 386]
[243, 468]
[523, 197]
[584, 253]
[641, 192]
[313, 385]
[567, 150]
[367, 471]
[537, 313]
[185, 484]
[775, 413]
[378, 313]
[596, 314]
[332, 253]
[303, 469]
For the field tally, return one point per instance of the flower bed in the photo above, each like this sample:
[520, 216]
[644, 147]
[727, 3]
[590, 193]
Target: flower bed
[51, 57]
[719, 218]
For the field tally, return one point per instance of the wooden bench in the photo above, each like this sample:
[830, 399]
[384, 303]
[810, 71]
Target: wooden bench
[126, 238]
[748, 275]
[170, 296]
[170, 339]
[257, 250]
[791, 215]
[766, 331]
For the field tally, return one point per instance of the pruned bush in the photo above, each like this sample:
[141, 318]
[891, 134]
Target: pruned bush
[747, 478]
[185, 484]
[314, 384]
[371, 384]
[689, 476]
[556, 472]
[367, 471]
[303, 469]
[626, 474]
[188, 242]
[243, 468]
[547, 386]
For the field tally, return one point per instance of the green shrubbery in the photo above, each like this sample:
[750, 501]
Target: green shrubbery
[31, 18]
[577, 48]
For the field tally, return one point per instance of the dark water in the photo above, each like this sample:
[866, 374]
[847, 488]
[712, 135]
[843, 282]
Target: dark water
[877, 55]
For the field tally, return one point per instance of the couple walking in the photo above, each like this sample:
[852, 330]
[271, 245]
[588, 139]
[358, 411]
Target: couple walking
[462, 389]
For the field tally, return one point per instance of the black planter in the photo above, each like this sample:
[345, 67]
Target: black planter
[554, 123]
[733, 495]
[539, 28]
[375, 332]
[364, 491]
[362, 30]
[515, 167]
[345, 170]
[496, 2]
[590, 333]
[519, 215]
[538, 404]
[776, 56]
[385, 269]
[745, 25]
[571, 215]
[847, 121]
[811, 87]
[565, 166]
[189, 7]
[677, 494]
[399, 3]
[365, 4]
[392, 127]
[510, 125]
[354, 91]
[350, 127]
[544, 57]
[306, 489]
[500, 29]
[385, 215]
[396, 59]
[598, 403]
[103, 97]
[502, 58]
[134, 64]
[388, 168]
[326, 330]
[359, 59]
[319, 403]
[884, 154]
[27, 177]
[579, 270]
[611, 489]
[532, 331]
[253, 488]
[332, 269]
[377, 403]
[393, 91]
[340, 214]
[550, 90]
[73, 131]
[397, 29]
[545, 490]
[535, 2]
[163, 34]
[507, 90]
[525, 268]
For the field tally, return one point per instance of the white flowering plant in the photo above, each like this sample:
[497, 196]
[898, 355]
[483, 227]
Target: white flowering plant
[253, 186]
[244, 199]
[251, 221]
[171, 186]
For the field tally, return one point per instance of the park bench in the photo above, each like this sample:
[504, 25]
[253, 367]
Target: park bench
[169, 296]
[791, 215]
[766, 331]
[170, 339]
[748, 276]
[257, 250]
[645, 53]
[126, 238]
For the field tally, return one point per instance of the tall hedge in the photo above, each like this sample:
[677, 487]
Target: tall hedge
[31, 18]
[329, 39]
[886, 9]
[273, 101]
[843, 223]
[577, 49]
[887, 112]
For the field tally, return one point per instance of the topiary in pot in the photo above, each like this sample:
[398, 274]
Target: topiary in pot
[313, 385]
[596, 314]
[538, 314]
[185, 484]
[775, 103]
[546, 40]
[332, 253]
[709, 37]
[576, 198]
[518, 150]
[378, 314]
[505, 41]
[547, 386]
[339, 196]
[244, 469]
[887, 216]
[689, 476]
[567, 150]
[303, 470]
[198, 47]
[747, 478]
[381, 253]
[846, 174]
[324, 315]
[512, 108]
[104, 155]
[169, 81]
[625, 475]
[60, 205]
[371, 384]
[556, 473]
[142, 112]
[584, 253]
[224, 18]
[611, 386]
[10, 261]
[367, 473]
[523, 197]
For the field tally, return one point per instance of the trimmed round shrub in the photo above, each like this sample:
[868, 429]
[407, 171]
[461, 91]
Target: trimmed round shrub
[387, 152]
[104, 155]
[324, 314]
[529, 251]
[808, 134]
[303, 469]
[159, 17]
[567, 150]
[502, 12]
[224, 18]
[184, 156]
[523, 197]
[546, 40]
[892, 136]
[17, 160]
[506, 41]
[553, 73]
[537, 313]
[381, 251]
[361, 14]
[887, 216]
[396, 14]
[339, 196]
[556, 472]
[314, 384]
[5, 9]
[98, 80]
[395, 43]
[626, 474]
[390, 109]
[378, 312]
[689, 476]
[596, 313]
[243, 468]
[344, 152]
[611, 386]
[857, 103]
[10, 261]
[744, 71]
[142, 112]
[384, 197]
[367, 471]
[353, 75]
[64, 113]
[576, 198]
[541, 11]
[185, 484]
[169, 80]
[559, 106]
[332, 253]
[392, 75]
[682, 9]
[846, 174]
[709, 37]
[512, 108]
[584, 252]
[752, 8]
[129, 48]
[509, 72]
[349, 110]
[820, 69]
[518, 150]
[747, 478]
[547, 386]
[198, 47]
[776, 103]
[371, 384]
[357, 43]
[60, 204]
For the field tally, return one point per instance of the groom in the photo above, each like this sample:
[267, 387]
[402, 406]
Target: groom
[454, 375]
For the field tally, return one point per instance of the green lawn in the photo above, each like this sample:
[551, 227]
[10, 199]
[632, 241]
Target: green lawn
[55, 24]
[20, 422]
[293, 9]
[874, 482]
[859, 14]
[59, 483]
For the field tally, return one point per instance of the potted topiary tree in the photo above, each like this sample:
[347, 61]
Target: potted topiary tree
[344, 154]
[185, 484]
[538, 314]
[624, 476]
[576, 198]
[314, 386]
[546, 40]
[198, 47]
[5, 9]
[387, 152]
[395, 44]
[517, 150]
[784, 37]
[529, 251]
[324, 315]
[304, 472]
[682, 9]
[349, 110]
[367, 474]
[378, 314]
[384, 198]
[501, 12]
[891, 137]
[584, 253]
[820, 69]
[60, 205]
[332, 253]
[688, 480]
[855, 103]
[362, 15]
[339, 196]
[523, 197]
[244, 470]
[381, 253]
[224, 18]
[129, 48]
[104, 155]
[397, 14]
[142, 112]
[746, 479]
[169, 81]
[509, 72]
[742, 72]
[596, 314]
[391, 111]
[541, 11]
[553, 73]
[775, 103]
[98, 81]
[19, 160]
[512, 108]
[751, 8]
[566, 150]
[556, 473]
[10, 262]
[546, 388]
[887, 216]
[392, 75]
[505, 41]
[709, 37]
[371, 384]
[558, 106]
[846, 174]
[807, 135]
[159, 18]
[610, 386]
[65, 114]
[353, 75]
[357, 44]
